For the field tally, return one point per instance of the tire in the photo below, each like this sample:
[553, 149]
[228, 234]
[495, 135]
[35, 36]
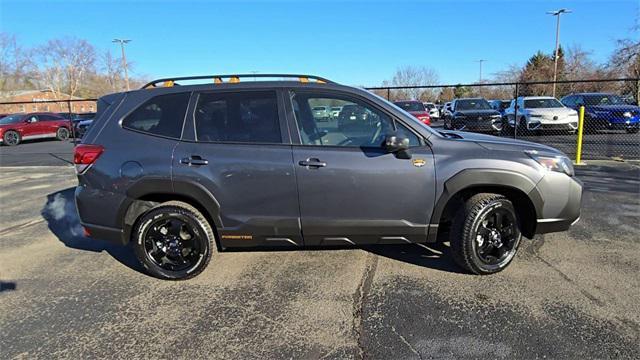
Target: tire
[11, 138]
[161, 258]
[474, 247]
[522, 127]
[62, 134]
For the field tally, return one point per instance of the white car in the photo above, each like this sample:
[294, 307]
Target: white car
[432, 109]
[335, 111]
[541, 113]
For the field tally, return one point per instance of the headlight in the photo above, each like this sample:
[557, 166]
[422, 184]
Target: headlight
[627, 114]
[553, 163]
[536, 115]
[495, 116]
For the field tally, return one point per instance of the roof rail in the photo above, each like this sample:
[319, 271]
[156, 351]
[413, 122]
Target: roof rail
[218, 79]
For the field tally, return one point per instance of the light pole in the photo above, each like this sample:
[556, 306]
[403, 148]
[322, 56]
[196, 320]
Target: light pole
[124, 59]
[480, 62]
[557, 14]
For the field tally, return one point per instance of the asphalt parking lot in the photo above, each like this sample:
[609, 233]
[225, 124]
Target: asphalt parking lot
[567, 295]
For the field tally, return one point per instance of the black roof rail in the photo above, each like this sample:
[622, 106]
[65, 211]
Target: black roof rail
[218, 79]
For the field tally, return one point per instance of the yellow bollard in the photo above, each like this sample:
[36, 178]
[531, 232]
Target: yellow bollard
[580, 131]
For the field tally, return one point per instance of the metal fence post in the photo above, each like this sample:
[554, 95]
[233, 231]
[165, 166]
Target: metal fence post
[515, 115]
[388, 94]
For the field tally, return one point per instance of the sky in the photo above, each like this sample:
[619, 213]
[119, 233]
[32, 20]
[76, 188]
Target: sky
[352, 42]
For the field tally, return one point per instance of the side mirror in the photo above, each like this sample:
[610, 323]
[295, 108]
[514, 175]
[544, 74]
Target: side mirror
[396, 143]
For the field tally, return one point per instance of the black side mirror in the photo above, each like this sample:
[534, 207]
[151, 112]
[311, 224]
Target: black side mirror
[398, 144]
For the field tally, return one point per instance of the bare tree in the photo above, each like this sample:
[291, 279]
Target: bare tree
[414, 76]
[15, 65]
[65, 64]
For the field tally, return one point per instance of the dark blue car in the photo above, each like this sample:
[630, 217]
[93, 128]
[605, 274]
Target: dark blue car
[605, 111]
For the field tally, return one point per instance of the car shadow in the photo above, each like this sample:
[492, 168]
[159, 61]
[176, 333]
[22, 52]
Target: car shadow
[62, 219]
[433, 255]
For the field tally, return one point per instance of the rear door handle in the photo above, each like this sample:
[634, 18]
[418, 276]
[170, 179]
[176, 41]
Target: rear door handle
[194, 160]
[312, 163]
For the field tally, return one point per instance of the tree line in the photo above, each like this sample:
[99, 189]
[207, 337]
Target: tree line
[574, 63]
[64, 66]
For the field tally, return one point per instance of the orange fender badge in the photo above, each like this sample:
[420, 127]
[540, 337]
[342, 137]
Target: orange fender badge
[418, 162]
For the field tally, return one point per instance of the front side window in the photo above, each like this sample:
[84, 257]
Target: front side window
[162, 115]
[357, 124]
[249, 117]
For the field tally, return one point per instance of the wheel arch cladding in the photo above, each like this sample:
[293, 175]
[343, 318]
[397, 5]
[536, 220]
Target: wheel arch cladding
[518, 188]
[147, 193]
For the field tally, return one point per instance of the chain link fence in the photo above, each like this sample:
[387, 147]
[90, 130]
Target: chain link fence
[542, 112]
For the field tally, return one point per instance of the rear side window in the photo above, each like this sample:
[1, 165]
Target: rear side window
[162, 115]
[245, 117]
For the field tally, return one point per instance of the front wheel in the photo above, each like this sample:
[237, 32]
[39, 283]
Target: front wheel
[485, 234]
[173, 241]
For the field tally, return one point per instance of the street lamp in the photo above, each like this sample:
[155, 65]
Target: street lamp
[480, 61]
[124, 59]
[557, 14]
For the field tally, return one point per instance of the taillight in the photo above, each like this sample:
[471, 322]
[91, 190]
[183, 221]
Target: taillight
[84, 155]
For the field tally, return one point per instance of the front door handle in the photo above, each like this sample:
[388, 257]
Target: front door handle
[312, 163]
[194, 160]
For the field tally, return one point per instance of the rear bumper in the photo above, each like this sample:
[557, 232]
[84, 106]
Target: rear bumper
[109, 234]
[98, 214]
[562, 200]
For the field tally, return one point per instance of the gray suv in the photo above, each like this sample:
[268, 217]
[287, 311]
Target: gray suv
[183, 171]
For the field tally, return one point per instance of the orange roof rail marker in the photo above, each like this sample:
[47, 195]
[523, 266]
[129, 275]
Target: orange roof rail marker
[304, 79]
[234, 80]
[168, 83]
[321, 81]
[217, 80]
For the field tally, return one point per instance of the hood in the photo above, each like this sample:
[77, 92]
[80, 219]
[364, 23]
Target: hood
[552, 111]
[487, 112]
[613, 107]
[495, 143]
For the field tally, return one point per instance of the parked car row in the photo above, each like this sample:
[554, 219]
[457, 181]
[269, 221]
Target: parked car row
[535, 114]
[16, 128]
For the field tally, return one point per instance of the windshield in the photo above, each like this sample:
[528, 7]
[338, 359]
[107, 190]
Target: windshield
[410, 105]
[319, 108]
[430, 106]
[11, 119]
[603, 99]
[542, 103]
[472, 104]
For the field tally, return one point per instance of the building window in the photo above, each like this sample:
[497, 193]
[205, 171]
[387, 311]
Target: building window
[22, 109]
[34, 108]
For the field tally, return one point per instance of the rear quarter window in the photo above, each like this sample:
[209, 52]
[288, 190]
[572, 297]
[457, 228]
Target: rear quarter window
[162, 115]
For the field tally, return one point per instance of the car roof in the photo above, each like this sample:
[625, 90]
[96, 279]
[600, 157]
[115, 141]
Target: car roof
[536, 97]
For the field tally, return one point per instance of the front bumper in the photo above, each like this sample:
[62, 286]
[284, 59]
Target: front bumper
[561, 201]
[477, 125]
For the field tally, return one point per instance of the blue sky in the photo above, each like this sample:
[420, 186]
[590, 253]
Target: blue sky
[353, 42]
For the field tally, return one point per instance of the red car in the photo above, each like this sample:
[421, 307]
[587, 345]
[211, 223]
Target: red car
[415, 108]
[15, 128]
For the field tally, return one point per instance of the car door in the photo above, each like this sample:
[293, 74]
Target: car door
[33, 128]
[351, 190]
[237, 147]
[49, 124]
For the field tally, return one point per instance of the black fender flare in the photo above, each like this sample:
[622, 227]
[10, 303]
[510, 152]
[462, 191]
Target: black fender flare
[187, 190]
[470, 178]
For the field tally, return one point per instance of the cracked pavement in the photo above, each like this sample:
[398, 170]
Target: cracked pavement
[566, 295]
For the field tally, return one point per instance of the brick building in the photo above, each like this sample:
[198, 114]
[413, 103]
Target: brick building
[35, 102]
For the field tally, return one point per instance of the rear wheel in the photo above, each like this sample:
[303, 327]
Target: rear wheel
[485, 234]
[11, 138]
[62, 134]
[173, 241]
